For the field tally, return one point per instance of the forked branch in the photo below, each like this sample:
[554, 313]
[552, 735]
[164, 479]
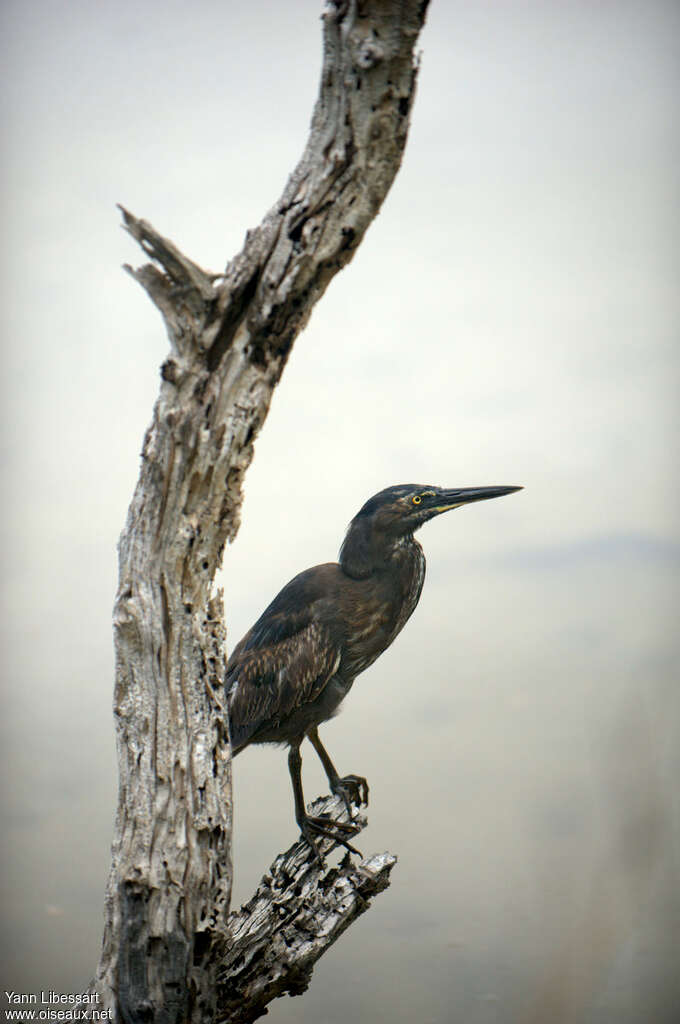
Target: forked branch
[230, 337]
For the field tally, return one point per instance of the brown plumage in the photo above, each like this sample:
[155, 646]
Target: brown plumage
[293, 668]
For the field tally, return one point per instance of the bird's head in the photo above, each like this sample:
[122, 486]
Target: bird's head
[398, 512]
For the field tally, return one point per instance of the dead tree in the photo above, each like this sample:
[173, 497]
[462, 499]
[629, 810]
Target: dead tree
[170, 953]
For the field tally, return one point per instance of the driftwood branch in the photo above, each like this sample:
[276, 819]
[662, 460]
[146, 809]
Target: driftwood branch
[230, 336]
[297, 912]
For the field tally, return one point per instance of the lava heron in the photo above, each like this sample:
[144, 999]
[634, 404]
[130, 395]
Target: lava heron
[293, 668]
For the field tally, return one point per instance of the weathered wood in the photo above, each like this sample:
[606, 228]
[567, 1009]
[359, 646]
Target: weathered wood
[230, 336]
[297, 912]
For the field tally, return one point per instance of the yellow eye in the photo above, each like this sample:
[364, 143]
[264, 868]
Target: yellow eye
[416, 499]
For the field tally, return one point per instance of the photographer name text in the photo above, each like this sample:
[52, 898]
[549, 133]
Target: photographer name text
[51, 997]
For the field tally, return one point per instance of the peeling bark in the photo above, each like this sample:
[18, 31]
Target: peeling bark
[230, 336]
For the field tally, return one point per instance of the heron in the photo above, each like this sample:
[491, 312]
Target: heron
[297, 663]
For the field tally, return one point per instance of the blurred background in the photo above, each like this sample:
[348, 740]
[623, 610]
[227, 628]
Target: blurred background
[510, 318]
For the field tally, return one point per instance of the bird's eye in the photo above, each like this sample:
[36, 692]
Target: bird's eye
[416, 499]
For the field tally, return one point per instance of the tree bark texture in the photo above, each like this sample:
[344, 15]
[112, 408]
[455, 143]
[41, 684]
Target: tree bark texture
[230, 336]
[297, 912]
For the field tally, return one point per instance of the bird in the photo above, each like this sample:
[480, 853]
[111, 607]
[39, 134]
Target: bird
[294, 667]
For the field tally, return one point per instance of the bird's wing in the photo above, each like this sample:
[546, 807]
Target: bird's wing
[283, 663]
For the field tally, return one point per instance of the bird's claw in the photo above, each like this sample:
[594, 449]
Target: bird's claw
[349, 827]
[326, 828]
[353, 789]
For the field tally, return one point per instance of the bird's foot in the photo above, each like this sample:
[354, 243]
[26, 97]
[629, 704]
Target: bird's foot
[348, 827]
[353, 789]
[325, 828]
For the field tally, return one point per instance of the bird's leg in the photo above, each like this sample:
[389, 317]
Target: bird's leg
[352, 788]
[309, 825]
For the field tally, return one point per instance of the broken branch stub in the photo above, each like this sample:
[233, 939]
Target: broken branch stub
[297, 912]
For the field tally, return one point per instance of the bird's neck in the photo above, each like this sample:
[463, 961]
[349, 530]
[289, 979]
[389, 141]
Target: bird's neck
[365, 553]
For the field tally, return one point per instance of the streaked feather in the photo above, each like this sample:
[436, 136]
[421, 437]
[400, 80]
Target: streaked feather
[284, 662]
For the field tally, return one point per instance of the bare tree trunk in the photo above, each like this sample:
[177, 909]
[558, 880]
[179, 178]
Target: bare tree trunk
[230, 336]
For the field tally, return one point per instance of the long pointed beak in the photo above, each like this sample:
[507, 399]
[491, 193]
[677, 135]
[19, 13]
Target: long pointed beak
[446, 500]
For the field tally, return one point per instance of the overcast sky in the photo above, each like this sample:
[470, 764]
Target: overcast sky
[510, 318]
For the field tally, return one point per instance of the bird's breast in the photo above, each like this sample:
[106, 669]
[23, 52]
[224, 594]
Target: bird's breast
[377, 609]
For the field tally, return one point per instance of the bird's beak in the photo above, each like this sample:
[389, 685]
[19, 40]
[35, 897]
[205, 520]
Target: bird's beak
[445, 500]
